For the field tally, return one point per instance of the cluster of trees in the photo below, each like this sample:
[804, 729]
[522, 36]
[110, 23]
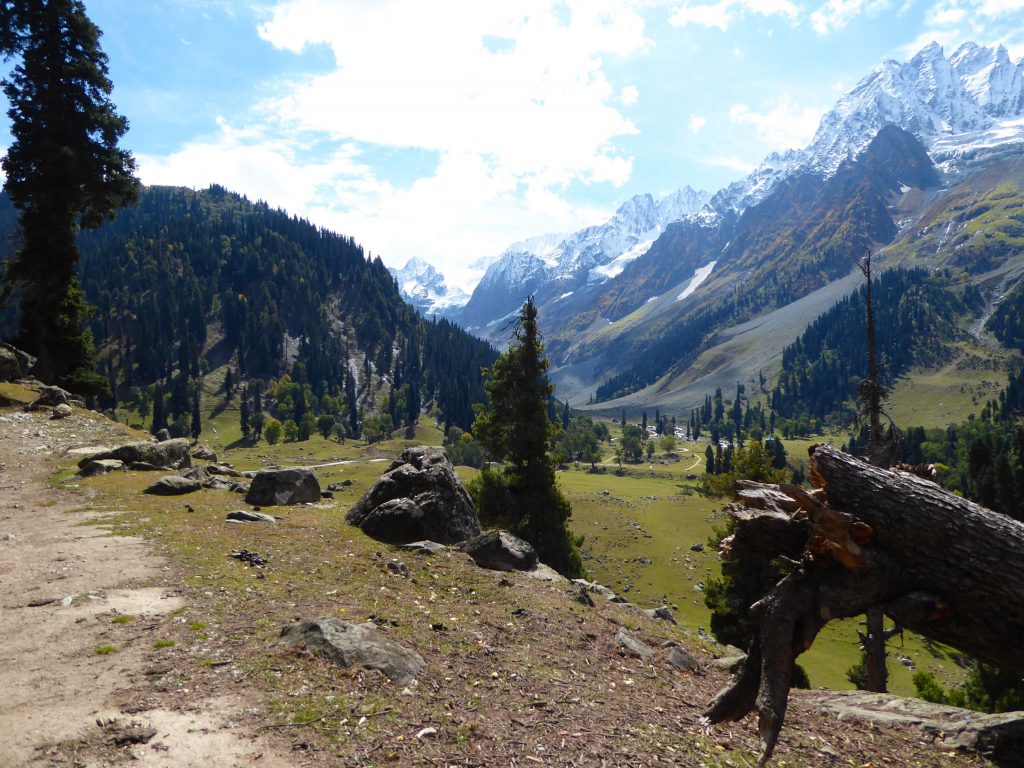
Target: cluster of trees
[1007, 322]
[915, 314]
[284, 293]
[982, 457]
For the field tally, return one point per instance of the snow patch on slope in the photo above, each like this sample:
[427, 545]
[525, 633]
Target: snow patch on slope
[699, 276]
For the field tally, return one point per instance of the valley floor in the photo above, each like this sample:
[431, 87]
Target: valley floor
[122, 620]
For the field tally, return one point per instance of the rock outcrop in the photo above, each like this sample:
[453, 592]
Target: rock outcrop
[1000, 737]
[173, 485]
[354, 644]
[170, 453]
[501, 551]
[283, 487]
[419, 497]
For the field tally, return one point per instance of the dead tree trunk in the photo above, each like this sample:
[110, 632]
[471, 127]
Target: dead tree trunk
[935, 563]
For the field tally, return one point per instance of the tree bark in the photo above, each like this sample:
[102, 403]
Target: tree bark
[935, 563]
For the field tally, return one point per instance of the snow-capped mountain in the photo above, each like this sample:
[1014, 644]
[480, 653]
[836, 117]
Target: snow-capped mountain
[956, 106]
[555, 267]
[973, 98]
[424, 287]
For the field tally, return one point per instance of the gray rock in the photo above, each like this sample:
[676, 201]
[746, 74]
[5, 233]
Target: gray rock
[246, 516]
[223, 469]
[395, 521]
[661, 612]
[440, 508]
[425, 547]
[145, 466]
[173, 485]
[204, 453]
[340, 486]
[282, 487]
[61, 411]
[684, 660]
[580, 594]
[100, 467]
[10, 368]
[542, 572]
[162, 435]
[49, 397]
[354, 645]
[170, 453]
[999, 737]
[220, 484]
[625, 639]
[11, 356]
[501, 551]
[598, 589]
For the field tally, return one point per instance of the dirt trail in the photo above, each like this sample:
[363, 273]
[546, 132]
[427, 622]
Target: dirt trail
[62, 582]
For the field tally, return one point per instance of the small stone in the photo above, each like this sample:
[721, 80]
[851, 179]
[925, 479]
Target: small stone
[426, 732]
[60, 411]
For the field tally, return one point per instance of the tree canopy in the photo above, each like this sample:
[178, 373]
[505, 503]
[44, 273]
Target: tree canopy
[64, 170]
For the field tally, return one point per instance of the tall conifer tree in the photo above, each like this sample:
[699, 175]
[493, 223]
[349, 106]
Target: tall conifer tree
[64, 171]
[515, 429]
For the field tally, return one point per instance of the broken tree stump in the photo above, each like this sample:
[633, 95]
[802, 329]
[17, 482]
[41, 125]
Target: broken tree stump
[936, 563]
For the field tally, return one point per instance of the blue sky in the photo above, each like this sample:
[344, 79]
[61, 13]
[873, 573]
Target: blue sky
[449, 129]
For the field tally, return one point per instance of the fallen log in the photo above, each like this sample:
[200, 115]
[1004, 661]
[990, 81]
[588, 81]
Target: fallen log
[936, 563]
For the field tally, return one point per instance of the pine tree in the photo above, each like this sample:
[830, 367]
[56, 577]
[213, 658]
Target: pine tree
[515, 429]
[64, 171]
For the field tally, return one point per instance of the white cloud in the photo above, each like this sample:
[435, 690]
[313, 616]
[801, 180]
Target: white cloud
[696, 123]
[785, 125]
[409, 75]
[834, 15]
[629, 95]
[725, 12]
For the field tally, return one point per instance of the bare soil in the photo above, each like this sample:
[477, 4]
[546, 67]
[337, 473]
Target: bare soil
[63, 581]
[517, 672]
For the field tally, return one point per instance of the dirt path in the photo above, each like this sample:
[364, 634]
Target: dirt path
[62, 583]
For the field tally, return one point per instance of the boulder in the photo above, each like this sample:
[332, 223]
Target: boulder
[681, 659]
[661, 612]
[50, 397]
[223, 469]
[425, 547]
[10, 368]
[501, 551]
[61, 411]
[354, 644]
[625, 639]
[999, 737]
[204, 453]
[438, 506]
[24, 361]
[245, 516]
[170, 453]
[280, 487]
[173, 485]
[162, 435]
[100, 467]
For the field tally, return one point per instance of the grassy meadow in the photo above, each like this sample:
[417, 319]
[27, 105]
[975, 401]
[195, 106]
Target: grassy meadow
[646, 526]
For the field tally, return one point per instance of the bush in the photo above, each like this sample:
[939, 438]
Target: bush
[272, 431]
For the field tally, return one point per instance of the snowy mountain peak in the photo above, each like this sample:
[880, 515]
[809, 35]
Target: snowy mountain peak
[974, 92]
[424, 287]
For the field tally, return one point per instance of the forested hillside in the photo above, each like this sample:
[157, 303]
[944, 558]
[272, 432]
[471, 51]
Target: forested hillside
[185, 281]
[915, 314]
